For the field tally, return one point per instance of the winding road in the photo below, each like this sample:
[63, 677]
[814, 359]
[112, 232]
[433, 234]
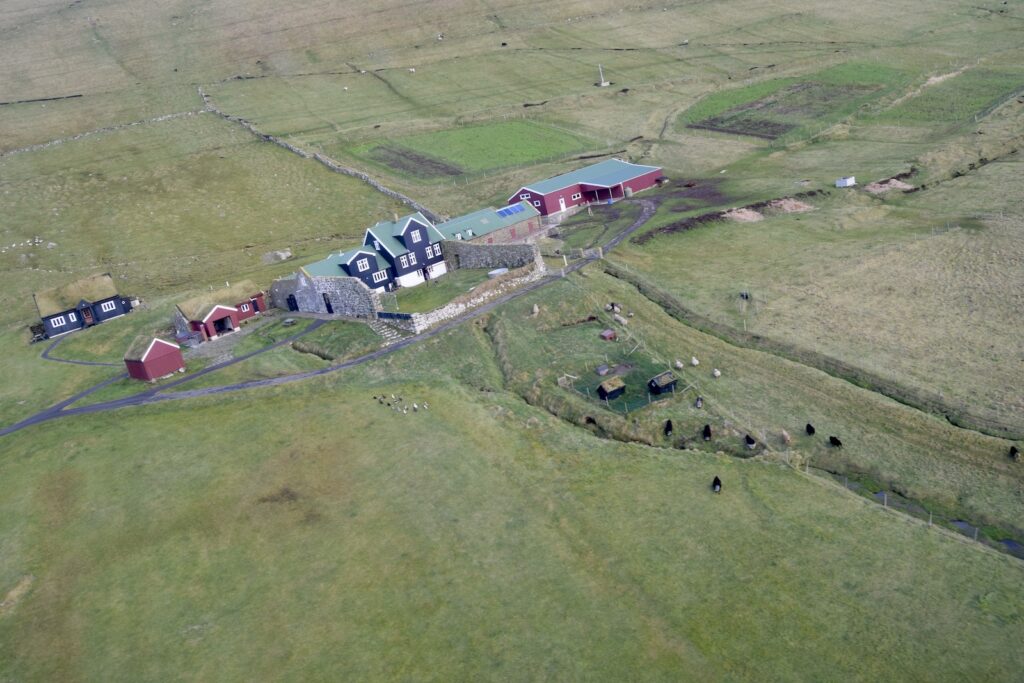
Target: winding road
[160, 394]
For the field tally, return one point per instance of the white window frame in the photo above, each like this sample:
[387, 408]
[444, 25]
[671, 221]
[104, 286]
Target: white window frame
[403, 261]
[107, 306]
[72, 318]
[57, 321]
[537, 203]
[458, 235]
[376, 245]
[245, 308]
[363, 264]
[412, 259]
[578, 195]
[416, 237]
[380, 276]
[525, 195]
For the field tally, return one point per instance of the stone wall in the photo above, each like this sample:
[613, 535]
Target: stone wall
[349, 297]
[467, 255]
[488, 291]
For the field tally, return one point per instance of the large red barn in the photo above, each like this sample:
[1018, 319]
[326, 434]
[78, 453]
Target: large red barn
[150, 358]
[606, 181]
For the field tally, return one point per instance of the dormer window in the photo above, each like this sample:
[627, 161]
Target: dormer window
[403, 261]
[415, 235]
[469, 232]
[363, 264]
[458, 235]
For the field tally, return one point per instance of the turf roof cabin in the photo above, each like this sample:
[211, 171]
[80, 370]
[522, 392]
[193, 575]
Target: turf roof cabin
[411, 246]
[363, 263]
[80, 304]
[662, 383]
[221, 311]
[611, 389]
[606, 181]
[150, 358]
[508, 225]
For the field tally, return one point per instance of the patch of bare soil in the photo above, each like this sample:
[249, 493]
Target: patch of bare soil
[282, 495]
[888, 184]
[408, 161]
[743, 215]
[789, 205]
[15, 595]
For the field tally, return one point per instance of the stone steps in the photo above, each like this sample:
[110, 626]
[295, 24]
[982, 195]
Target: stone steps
[389, 334]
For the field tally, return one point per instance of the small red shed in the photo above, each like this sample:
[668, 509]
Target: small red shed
[218, 312]
[150, 358]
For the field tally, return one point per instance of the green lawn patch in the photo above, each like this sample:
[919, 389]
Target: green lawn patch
[956, 99]
[436, 293]
[474, 148]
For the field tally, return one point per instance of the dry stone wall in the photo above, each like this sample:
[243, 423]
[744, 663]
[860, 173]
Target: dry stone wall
[349, 297]
[466, 255]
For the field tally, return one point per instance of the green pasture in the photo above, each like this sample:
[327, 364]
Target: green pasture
[958, 98]
[924, 457]
[343, 340]
[486, 540]
[481, 147]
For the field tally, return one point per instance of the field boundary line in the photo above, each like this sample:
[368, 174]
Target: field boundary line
[100, 131]
[323, 159]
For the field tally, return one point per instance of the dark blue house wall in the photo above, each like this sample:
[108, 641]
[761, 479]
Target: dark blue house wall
[366, 276]
[120, 307]
[417, 248]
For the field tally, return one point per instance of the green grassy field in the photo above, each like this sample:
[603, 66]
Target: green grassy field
[473, 149]
[484, 527]
[307, 533]
[953, 470]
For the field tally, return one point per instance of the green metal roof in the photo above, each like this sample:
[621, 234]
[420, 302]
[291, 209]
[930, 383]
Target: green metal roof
[486, 221]
[331, 266]
[387, 232]
[607, 173]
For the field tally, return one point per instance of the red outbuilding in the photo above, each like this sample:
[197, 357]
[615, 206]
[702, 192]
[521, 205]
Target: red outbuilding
[603, 182]
[150, 358]
[210, 315]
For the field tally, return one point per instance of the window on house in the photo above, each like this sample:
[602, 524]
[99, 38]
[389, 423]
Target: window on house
[537, 204]
[57, 321]
[403, 261]
[525, 195]
[415, 235]
[577, 195]
[376, 245]
[245, 308]
[72, 317]
[412, 259]
[380, 276]
[458, 235]
[107, 306]
[363, 264]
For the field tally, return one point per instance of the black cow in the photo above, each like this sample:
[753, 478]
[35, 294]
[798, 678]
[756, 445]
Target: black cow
[668, 427]
[1014, 454]
[749, 441]
[834, 441]
[700, 402]
[707, 432]
[810, 429]
[716, 485]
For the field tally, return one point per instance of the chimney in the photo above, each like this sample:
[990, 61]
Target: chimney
[396, 216]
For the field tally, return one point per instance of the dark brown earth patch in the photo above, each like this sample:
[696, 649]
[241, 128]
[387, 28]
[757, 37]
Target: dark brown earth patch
[413, 163]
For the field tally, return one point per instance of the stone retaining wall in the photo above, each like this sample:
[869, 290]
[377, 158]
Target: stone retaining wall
[467, 255]
[349, 297]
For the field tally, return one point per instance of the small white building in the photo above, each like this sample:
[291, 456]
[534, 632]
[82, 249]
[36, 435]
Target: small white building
[846, 181]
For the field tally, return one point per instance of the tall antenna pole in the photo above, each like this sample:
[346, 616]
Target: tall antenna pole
[602, 83]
